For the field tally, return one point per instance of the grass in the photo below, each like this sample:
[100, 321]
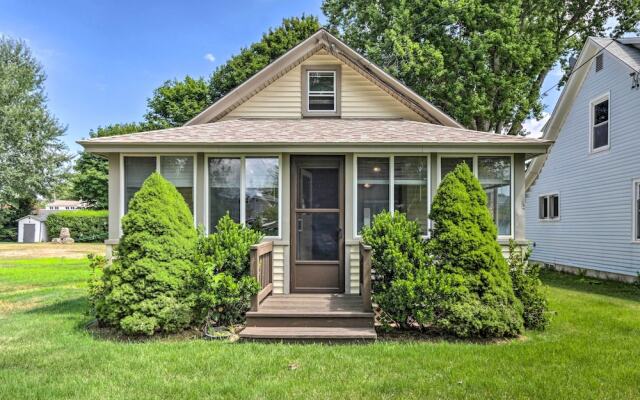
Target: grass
[49, 250]
[591, 350]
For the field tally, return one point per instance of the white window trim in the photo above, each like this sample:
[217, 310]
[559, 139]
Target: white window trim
[475, 173]
[549, 219]
[243, 202]
[391, 158]
[592, 104]
[634, 212]
[157, 156]
[322, 93]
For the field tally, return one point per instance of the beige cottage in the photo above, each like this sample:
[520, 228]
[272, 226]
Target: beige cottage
[308, 150]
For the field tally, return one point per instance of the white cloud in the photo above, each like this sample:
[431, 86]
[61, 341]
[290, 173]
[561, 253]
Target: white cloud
[209, 57]
[534, 127]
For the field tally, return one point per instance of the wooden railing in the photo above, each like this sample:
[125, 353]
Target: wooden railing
[261, 259]
[365, 276]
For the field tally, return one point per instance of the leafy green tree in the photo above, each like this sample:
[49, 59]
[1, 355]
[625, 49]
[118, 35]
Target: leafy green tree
[483, 62]
[32, 156]
[464, 244]
[146, 290]
[176, 102]
[90, 183]
[252, 59]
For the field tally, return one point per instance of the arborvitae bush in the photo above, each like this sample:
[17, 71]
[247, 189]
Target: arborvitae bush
[84, 225]
[221, 282]
[145, 290]
[464, 243]
[528, 287]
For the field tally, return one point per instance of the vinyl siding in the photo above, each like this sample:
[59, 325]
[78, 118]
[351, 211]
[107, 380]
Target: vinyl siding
[595, 226]
[361, 98]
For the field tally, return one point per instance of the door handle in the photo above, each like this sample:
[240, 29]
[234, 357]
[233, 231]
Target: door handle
[300, 224]
[340, 233]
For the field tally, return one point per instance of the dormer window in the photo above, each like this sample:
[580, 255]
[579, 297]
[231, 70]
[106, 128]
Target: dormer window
[321, 91]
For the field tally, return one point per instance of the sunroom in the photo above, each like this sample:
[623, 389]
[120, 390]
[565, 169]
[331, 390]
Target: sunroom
[310, 186]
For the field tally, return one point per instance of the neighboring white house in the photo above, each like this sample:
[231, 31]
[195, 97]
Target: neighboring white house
[583, 198]
[32, 228]
[65, 205]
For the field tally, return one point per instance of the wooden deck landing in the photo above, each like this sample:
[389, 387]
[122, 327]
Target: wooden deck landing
[332, 317]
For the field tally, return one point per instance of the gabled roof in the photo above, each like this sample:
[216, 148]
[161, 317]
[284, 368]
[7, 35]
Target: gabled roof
[322, 39]
[626, 50]
[316, 132]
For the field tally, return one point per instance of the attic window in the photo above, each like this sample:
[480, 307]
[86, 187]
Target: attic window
[321, 91]
[599, 62]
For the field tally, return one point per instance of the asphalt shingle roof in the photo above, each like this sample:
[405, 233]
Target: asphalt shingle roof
[312, 131]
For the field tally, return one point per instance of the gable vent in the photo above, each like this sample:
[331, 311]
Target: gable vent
[599, 62]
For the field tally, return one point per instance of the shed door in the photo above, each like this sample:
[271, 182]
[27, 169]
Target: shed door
[29, 233]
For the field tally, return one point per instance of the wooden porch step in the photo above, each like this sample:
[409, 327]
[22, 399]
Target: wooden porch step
[337, 319]
[308, 333]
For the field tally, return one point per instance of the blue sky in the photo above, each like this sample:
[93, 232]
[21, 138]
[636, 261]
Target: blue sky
[104, 58]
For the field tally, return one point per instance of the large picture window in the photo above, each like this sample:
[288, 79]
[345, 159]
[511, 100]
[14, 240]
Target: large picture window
[495, 176]
[248, 189]
[600, 124]
[396, 183]
[179, 170]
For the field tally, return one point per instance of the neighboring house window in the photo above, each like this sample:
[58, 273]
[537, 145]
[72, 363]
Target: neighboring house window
[248, 188]
[600, 123]
[179, 170]
[599, 62]
[549, 206]
[321, 91]
[136, 171]
[496, 177]
[636, 210]
[408, 178]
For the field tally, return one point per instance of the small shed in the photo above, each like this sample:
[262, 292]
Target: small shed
[32, 229]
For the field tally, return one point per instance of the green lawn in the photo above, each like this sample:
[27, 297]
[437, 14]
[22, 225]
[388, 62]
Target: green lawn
[591, 350]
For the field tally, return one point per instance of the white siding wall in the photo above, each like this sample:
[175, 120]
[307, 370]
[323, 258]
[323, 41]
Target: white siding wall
[360, 97]
[595, 226]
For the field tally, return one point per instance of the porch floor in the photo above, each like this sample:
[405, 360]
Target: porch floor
[310, 317]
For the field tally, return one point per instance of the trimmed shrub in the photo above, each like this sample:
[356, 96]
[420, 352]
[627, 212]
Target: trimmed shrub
[528, 287]
[145, 290]
[464, 243]
[221, 283]
[84, 225]
[398, 252]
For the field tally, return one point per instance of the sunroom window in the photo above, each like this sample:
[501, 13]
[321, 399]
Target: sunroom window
[494, 174]
[178, 170]
[136, 171]
[321, 91]
[408, 178]
[248, 189]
